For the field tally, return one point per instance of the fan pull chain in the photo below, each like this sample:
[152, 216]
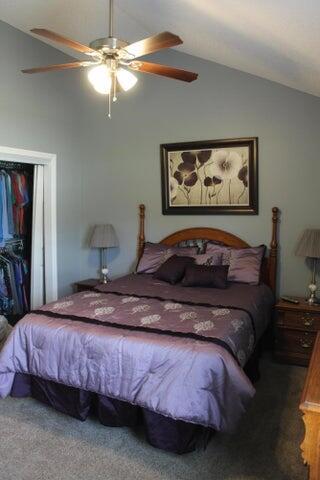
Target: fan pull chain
[109, 104]
[114, 84]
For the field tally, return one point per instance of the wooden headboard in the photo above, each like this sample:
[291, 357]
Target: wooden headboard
[269, 268]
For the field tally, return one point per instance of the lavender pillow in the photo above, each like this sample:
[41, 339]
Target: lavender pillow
[245, 265]
[173, 269]
[209, 259]
[223, 250]
[155, 254]
[203, 276]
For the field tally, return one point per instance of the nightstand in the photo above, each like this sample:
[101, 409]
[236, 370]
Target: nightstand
[295, 331]
[84, 285]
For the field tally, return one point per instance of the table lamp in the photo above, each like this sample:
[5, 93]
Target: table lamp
[309, 246]
[103, 237]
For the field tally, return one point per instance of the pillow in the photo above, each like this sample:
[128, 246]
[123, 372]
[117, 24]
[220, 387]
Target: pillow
[223, 250]
[209, 259]
[245, 265]
[155, 254]
[203, 276]
[172, 270]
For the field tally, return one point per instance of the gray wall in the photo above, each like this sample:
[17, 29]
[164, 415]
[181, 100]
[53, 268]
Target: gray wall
[106, 168]
[124, 167]
[42, 112]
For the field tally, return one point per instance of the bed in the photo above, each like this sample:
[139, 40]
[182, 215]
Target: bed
[139, 351]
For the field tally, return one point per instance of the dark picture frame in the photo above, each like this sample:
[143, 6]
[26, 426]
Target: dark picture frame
[210, 177]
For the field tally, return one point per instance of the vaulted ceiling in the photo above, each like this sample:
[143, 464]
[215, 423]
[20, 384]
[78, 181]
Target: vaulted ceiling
[274, 39]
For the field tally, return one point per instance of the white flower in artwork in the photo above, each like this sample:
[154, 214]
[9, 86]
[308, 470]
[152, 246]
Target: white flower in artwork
[130, 300]
[98, 302]
[237, 324]
[140, 308]
[172, 306]
[225, 164]
[241, 357]
[91, 295]
[173, 185]
[188, 316]
[220, 312]
[66, 304]
[150, 319]
[203, 326]
[104, 310]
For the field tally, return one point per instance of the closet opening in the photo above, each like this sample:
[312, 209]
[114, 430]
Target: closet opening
[16, 209]
[28, 267]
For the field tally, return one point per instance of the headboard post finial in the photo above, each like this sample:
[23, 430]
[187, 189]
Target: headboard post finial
[273, 257]
[141, 236]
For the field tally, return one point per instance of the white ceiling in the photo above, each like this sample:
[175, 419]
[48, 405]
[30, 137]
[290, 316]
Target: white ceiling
[274, 39]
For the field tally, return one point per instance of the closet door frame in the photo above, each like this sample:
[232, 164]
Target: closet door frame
[49, 162]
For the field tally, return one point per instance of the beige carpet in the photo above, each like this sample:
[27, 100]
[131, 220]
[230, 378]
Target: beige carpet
[37, 443]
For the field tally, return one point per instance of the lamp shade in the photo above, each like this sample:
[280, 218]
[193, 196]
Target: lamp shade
[103, 236]
[309, 244]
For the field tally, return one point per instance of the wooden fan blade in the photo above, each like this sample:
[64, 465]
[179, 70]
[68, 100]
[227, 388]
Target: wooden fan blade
[165, 71]
[66, 41]
[153, 44]
[61, 66]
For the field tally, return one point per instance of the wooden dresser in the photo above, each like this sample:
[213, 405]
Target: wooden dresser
[310, 407]
[296, 328]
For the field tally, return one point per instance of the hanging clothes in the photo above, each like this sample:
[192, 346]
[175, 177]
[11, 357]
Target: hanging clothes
[13, 281]
[16, 188]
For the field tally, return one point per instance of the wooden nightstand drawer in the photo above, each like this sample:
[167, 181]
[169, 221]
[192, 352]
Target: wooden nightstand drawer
[294, 346]
[295, 331]
[301, 320]
[295, 340]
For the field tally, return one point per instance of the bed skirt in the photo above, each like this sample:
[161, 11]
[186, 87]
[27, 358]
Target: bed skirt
[161, 432]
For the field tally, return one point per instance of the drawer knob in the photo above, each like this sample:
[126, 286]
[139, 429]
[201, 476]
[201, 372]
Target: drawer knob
[305, 343]
[308, 321]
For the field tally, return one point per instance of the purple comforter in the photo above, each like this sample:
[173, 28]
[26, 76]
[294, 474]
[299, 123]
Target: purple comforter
[174, 350]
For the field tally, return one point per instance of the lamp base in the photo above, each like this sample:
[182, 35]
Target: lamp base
[104, 275]
[312, 299]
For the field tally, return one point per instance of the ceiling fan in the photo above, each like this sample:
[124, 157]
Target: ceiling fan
[109, 55]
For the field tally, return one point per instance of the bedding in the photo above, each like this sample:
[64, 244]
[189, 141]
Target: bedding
[245, 265]
[140, 340]
[173, 269]
[155, 254]
[204, 276]
[208, 259]
[223, 250]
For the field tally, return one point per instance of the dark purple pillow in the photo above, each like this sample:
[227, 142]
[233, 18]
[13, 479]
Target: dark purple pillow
[173, 269]
[245, 265]
[203, 276]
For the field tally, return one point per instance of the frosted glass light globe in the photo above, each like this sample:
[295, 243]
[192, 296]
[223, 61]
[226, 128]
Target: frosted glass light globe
[100, 79]
[126, 79]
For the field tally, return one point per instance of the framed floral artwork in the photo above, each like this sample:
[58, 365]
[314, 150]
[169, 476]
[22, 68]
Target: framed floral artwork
[210, 177]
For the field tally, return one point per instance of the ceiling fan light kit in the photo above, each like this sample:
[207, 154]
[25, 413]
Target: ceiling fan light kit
[109, 55]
